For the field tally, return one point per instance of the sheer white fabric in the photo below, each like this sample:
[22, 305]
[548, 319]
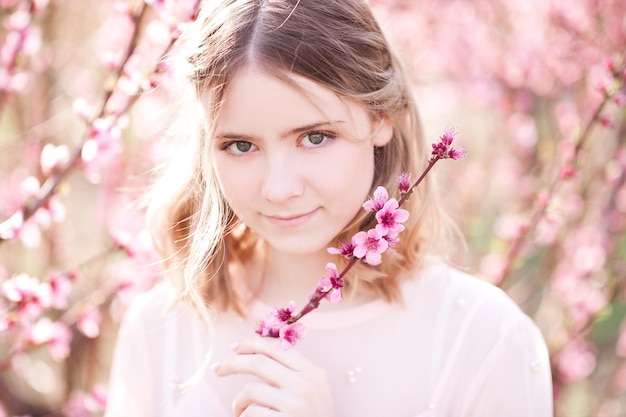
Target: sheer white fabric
[456, 347]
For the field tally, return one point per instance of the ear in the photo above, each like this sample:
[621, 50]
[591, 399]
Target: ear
[383, 132]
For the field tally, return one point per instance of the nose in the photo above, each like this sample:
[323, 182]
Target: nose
[281, 181]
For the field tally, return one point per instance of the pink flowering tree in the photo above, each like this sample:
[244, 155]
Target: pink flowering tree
[80, 93]
[535, 86]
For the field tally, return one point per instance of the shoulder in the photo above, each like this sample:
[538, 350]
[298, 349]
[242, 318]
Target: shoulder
[487, 344]
[453, 289]
[153, 311]
[472, 312]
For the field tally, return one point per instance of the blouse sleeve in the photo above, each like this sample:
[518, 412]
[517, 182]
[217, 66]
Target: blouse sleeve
[131, 387]
[515, 379]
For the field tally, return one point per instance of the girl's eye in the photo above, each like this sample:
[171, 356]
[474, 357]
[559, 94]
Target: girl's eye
[239, 147]
[315, 139]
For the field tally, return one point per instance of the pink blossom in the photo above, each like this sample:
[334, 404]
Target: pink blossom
[277, 317]
[509, 226]
[89, 322]
[606, 122]
[448, 136]
[60, 286]
[9, 322]
[19, 288]
[82, 108]
[276, 325]
[103, 148]
[567, 171]
[11, 228]
[267, 327]
[53, 157]
[29, 234]
[56, 334]
[29, 294]
[444, 149]
[29, 231]
[404, 182]
[30, 187]
[331, 283]
[377, 201]
[389, 218]
[41, 4]
[392, 240]
[459, 153]
[83, 404]
[492, 266]
[345, 249]
[576, 360]
[369, 245]
[284, 314]
[291, 333]
[137, 243]
[99, 395]
[611, 65]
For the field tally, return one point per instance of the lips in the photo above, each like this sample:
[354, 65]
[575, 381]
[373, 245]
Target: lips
[290, 220]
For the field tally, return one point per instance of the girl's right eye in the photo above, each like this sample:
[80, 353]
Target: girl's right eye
[239, 147]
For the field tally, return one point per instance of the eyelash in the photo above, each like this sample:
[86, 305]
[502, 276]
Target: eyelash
[327, 136]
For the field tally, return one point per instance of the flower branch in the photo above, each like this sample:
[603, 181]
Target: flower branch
[618, 73]
[9, 229]
[14, 44]
[365, 246]
[28, 298]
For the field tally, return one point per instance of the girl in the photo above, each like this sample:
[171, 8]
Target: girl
[304, 111]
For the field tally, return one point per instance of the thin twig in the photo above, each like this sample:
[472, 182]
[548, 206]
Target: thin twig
[519, 241]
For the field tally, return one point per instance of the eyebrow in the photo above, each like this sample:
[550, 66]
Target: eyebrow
[295, 131]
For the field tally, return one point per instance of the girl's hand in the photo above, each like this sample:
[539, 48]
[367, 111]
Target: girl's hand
[290, 384]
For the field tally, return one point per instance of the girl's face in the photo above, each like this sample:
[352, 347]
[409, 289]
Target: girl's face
[294, 164]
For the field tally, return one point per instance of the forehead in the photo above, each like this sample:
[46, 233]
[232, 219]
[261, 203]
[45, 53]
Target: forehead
[256, 99]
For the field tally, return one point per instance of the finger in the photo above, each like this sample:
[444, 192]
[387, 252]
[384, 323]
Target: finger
[290, 358]
[259, 397]
[259, 365]
[258, 411]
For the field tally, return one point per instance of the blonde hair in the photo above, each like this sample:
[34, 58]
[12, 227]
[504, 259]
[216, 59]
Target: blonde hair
[339, 45]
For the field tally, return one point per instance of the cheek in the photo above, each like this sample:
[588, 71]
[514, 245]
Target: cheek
[351, 175]
[234, 183]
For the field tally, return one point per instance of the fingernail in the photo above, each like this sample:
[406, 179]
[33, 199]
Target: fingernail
[215, 366]
[234, 346]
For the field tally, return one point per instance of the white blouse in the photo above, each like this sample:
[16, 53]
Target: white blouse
[457, 346]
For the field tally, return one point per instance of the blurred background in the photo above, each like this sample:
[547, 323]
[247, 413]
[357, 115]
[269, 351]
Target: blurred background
[535, 88]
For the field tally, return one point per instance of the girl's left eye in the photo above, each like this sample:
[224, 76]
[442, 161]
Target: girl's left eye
[315, 139]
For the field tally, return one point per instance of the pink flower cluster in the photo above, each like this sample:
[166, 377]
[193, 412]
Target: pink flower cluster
[366, 246]
[369, 246]
[85, 404]
[444, 148]
[277, 324]
[23, 300]
[30, 296]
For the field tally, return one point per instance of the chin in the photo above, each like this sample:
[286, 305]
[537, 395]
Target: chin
[299, 247]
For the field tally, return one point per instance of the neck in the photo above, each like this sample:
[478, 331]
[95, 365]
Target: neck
[289, 277]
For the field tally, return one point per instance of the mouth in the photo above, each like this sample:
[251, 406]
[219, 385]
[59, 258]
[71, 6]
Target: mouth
[290, 220]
